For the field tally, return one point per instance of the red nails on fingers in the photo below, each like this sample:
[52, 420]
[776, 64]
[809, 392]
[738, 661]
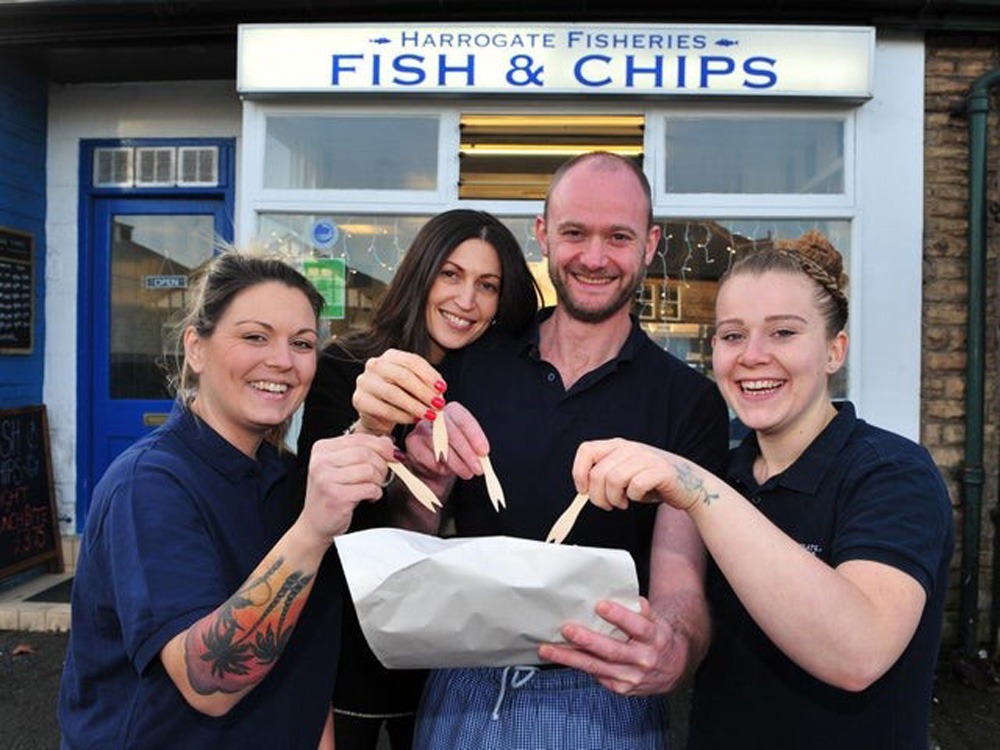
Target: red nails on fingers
[430, 415]
[440, 386]
[437, 402]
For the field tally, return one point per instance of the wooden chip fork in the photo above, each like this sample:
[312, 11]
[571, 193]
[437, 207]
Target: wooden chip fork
[424, 494]
[493, 488]
[564, 524]
[439, 438]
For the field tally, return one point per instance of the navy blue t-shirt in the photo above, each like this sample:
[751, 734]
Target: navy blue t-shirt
[364, 687]
[177, 524]
[535, 426]
[856, 493]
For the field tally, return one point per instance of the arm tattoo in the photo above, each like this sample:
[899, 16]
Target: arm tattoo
[694, 485]
[236, 645]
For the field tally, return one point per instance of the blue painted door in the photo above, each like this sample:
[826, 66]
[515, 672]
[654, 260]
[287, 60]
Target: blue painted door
[144, 253]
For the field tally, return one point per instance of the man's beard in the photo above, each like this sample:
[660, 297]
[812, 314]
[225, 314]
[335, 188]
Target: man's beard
[599, 315]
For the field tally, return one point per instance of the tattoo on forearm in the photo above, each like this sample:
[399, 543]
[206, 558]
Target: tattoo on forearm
[694, 485]
[236, 646]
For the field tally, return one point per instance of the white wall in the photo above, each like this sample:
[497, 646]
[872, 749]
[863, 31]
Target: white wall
[150, 110]
[887, 262]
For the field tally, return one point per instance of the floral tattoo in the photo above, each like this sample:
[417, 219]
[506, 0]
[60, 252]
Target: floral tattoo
[236, 646]
[694, 485]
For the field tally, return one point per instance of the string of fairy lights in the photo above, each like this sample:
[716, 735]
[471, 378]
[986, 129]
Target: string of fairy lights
[690, 246]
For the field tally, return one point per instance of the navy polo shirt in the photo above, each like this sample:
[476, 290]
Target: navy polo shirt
[856, 493]
[177, 524]
[535, 425]
[364, 686]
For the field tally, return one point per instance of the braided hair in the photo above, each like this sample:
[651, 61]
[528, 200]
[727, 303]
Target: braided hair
[811, 255]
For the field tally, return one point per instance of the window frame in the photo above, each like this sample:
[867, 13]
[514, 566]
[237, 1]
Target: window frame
[741, 203]
[882, 200]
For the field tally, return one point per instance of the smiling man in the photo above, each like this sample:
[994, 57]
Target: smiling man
[584, 371]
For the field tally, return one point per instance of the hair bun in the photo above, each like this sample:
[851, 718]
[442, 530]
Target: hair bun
[816, 248]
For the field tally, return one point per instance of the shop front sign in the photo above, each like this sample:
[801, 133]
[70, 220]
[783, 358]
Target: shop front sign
[817, 61]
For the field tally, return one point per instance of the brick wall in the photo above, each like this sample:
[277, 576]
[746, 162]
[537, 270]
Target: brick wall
[954, 62]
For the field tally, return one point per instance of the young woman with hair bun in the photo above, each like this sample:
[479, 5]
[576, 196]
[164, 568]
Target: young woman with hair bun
[831, 539]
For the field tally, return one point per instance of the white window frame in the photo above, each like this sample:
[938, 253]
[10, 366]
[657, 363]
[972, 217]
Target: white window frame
[259, 198]
[882, 200]
[683, 203]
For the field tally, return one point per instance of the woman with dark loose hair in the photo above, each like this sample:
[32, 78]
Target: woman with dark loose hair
[463, 275]
[200, 572]
[400, 321]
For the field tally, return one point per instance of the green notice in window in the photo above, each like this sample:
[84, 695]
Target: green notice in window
[328, 275]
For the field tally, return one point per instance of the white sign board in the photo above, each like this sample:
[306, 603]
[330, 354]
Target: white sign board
[818, 61]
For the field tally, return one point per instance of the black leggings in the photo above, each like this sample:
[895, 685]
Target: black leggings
[361, 733]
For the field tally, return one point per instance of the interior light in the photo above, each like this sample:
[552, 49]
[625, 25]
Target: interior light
[544, 149]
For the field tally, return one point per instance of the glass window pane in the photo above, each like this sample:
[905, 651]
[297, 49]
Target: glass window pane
[372, 247]
[676, 304]
[152, 257]
[766, 155]
[512, 156]
[351, 153]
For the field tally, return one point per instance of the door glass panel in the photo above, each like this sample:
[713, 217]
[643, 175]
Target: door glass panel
[152, 257]
[765, 155]
[351, 153]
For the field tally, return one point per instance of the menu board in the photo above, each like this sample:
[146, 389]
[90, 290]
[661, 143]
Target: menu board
[17, 291]
[29, 529]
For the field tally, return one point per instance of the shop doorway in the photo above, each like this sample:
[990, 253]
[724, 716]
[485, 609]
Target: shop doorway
[142, 258]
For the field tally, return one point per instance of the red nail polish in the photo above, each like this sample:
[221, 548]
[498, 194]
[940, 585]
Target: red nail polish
[437, 402]
[399, 455]
[429, 415]
[440, 386]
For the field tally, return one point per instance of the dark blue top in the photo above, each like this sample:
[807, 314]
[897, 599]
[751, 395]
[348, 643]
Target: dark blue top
[535, 425]
[177, 524]
[856, 493]
[363, 685]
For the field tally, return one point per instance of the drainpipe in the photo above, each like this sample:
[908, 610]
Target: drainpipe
[972, 473]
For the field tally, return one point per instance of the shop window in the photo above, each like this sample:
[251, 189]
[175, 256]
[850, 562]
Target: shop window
[351, 152]
[369, 247]
[512, 157]
[676, 304]
[791, 155]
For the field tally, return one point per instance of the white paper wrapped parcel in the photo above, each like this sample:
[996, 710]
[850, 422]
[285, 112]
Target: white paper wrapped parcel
[423, 601]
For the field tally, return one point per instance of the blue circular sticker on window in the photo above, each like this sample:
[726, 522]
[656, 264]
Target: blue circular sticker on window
[324, 234]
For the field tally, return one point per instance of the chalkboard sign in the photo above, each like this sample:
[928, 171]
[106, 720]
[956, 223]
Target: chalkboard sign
[17, 291]
[29, 529]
